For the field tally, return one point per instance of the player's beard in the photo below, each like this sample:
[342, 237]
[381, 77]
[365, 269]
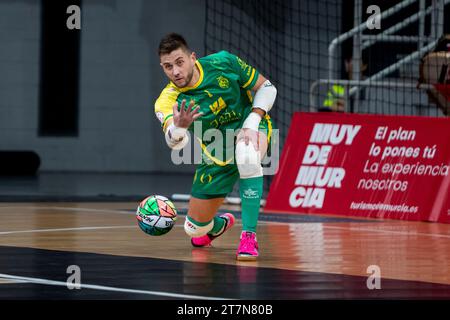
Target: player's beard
[189, 77]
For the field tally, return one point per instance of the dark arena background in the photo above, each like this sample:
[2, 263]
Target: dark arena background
[81, 147]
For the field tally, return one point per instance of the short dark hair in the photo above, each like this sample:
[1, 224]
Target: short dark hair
[171, 42]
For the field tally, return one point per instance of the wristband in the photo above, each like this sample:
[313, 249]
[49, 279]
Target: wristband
[252, 121]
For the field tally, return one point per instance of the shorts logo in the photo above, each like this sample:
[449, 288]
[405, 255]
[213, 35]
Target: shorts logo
[223, 82]
[250, 194]
[204, 177]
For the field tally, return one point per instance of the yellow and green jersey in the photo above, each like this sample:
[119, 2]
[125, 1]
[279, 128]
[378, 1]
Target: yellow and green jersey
[222, 92]
[224, 96]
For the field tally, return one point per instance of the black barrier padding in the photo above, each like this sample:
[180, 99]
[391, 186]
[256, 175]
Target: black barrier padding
[59, 71]
[19, 163]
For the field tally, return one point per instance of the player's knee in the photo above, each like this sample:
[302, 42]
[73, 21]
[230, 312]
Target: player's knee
[194, 230]
[248, 160]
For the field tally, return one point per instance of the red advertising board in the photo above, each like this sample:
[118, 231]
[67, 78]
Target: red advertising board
[394, 167]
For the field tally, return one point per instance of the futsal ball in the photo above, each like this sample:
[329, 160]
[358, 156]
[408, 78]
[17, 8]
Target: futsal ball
[156, 215]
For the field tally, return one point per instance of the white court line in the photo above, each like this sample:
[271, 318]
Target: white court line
[65, 229]
[74, 229]
[99, 211]
[106, 288]
[260, 222]
[71, 209]
[9, 281]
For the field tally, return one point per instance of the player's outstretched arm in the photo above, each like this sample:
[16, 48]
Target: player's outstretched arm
[185, 117]
[176, 132]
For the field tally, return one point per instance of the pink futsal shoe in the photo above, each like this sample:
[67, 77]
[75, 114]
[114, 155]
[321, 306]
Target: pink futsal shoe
[248, 247]
[206, 240]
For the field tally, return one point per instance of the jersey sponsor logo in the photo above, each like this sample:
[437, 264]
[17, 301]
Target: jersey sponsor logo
[225, 118]
[217, 106]
[223, 82]
[208, 93]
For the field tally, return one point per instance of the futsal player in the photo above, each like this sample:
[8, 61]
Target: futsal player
[215, 92]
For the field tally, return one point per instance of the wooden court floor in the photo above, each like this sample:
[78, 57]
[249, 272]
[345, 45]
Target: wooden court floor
[301, 257]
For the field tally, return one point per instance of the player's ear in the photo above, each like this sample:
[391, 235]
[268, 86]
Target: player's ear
[193, 56]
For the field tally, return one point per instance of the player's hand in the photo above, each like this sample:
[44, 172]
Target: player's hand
[184, 118]
[249, 135]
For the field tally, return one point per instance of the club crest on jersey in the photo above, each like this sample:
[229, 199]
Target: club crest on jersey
[223, 82]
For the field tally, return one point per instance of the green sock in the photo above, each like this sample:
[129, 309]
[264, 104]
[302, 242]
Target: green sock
[251, 192]
[219, 224]
[195, 222]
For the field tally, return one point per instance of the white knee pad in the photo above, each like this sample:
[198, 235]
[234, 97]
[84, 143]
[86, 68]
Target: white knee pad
[197, 231]
[248, 160]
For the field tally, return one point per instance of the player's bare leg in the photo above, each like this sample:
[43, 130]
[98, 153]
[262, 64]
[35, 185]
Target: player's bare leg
[202, 224]
[204, 210]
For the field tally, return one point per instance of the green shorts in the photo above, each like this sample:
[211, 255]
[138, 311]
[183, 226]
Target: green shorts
[217, 180]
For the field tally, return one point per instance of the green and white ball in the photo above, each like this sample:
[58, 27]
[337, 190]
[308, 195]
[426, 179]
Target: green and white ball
[156, 215]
